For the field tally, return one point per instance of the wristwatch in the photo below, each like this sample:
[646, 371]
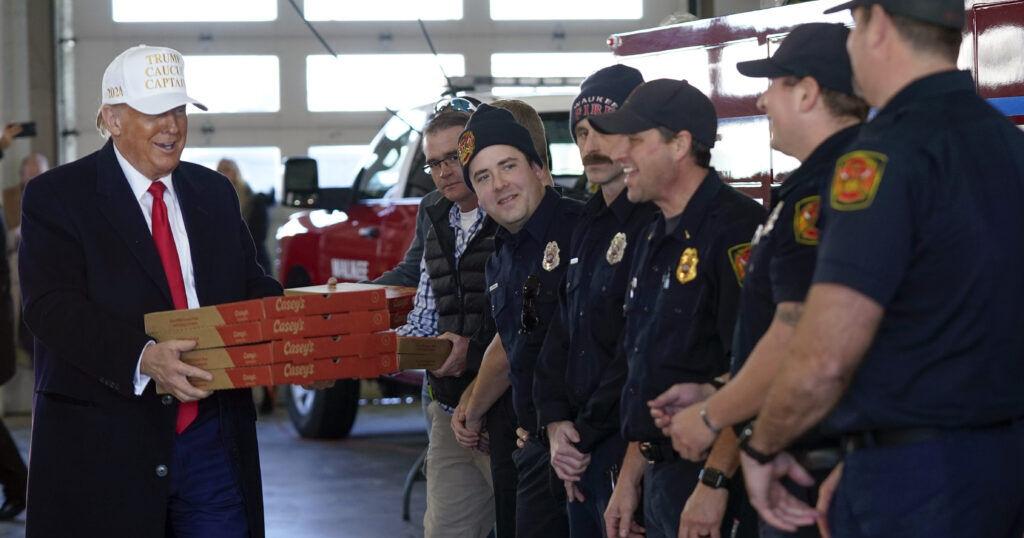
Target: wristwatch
[757, 455]
[713, 478]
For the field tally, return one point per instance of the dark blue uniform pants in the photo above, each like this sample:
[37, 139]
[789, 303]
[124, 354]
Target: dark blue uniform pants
[586, 519]
[501, 430]
[205, 500]
[540, 509]
[668, 485]
[965, 483]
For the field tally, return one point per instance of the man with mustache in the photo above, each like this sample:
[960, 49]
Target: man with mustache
[523, 278]
[580, 373]
[124, 231]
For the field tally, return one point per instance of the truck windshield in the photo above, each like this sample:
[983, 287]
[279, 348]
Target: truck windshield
[384, 166]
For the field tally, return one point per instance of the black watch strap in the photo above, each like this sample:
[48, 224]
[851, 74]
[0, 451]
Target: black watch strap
[744, 442]
[713, 478]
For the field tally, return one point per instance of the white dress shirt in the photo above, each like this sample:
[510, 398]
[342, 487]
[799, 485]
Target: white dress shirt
[140, 187]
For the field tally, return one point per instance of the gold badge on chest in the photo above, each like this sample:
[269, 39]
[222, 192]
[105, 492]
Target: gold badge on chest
[551, 257]
[686, 271]
[616, 249]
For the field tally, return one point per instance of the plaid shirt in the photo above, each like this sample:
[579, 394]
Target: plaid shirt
[423, 317]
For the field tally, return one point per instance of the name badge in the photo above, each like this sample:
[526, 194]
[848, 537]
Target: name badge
[574, 261]
[493, 287]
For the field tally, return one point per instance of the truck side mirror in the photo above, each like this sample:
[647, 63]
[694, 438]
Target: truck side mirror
[301, 182]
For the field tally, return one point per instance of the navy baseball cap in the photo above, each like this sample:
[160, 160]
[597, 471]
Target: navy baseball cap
[816, 50]
[672, 104]
[945, 13]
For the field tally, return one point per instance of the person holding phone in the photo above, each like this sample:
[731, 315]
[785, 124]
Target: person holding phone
[10, 132]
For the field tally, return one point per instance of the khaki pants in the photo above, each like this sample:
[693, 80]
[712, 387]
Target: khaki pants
[460, 499]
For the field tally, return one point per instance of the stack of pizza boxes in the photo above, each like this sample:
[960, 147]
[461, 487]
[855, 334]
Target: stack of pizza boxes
[320, 333]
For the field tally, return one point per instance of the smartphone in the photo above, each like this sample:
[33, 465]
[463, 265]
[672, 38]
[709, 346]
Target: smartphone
[28, 129]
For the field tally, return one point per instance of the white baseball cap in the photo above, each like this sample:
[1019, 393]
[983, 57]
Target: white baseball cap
[148, 79]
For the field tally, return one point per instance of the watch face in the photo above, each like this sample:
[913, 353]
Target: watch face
[712, 477]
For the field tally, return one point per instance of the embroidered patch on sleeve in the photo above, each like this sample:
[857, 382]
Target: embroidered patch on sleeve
[739, 257]
[856, 180]
[805, 220]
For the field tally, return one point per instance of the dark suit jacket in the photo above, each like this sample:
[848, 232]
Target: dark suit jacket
[90, 271]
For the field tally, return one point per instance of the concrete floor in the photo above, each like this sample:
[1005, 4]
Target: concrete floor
[349, 488]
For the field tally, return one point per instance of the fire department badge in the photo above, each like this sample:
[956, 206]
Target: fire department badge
[739, 257]
[805, 220]
[616, 249]
[856, 180]
[467, 144]
[551, 258]
[686, 271]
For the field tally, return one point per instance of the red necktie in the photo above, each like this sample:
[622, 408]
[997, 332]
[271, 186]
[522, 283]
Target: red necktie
[187, 411]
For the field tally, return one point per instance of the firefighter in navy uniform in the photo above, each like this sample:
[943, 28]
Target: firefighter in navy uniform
[814, 116]
[523, 279]
[681, 299]
[911, 340]
[580, 374]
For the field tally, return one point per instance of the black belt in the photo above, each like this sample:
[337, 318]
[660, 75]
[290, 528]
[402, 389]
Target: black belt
[819, 459]
[889, 438]
[658, 451]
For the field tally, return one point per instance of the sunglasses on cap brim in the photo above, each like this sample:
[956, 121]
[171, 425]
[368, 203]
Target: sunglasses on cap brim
[455, 104]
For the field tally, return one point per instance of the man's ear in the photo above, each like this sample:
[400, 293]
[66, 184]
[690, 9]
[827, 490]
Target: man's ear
[681, 145]
[809, 94]
[112, 120]
[880, 28]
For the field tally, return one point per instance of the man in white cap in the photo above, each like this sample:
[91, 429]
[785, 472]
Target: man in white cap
[106, 239]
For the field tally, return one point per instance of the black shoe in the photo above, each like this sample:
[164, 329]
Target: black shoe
[11, 508]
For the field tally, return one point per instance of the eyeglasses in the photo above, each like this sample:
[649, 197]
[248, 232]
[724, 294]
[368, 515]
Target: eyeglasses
[455, 104]
[435, 166]
[531, 289]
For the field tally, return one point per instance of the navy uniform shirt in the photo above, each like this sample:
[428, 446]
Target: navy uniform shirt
[530, 263]
[682, 298]
[926, 217]
[785, 247]
[580, 373]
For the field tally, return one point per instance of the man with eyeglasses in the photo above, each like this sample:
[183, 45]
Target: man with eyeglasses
[451, 303]
[680, 304]
[407, 272]
[580, 373]
[501, 165]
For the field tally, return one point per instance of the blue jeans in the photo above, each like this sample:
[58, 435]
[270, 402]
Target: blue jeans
[964, 483]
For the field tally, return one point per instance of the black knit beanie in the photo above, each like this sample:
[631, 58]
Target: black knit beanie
[492, 126]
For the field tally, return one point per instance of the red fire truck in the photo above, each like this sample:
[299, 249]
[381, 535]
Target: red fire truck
[371, 225]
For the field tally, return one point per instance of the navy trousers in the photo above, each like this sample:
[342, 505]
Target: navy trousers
[586, 519]
[964, 483]
[668, 485]
[205, 500]
[502, 431]
[540, 509]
